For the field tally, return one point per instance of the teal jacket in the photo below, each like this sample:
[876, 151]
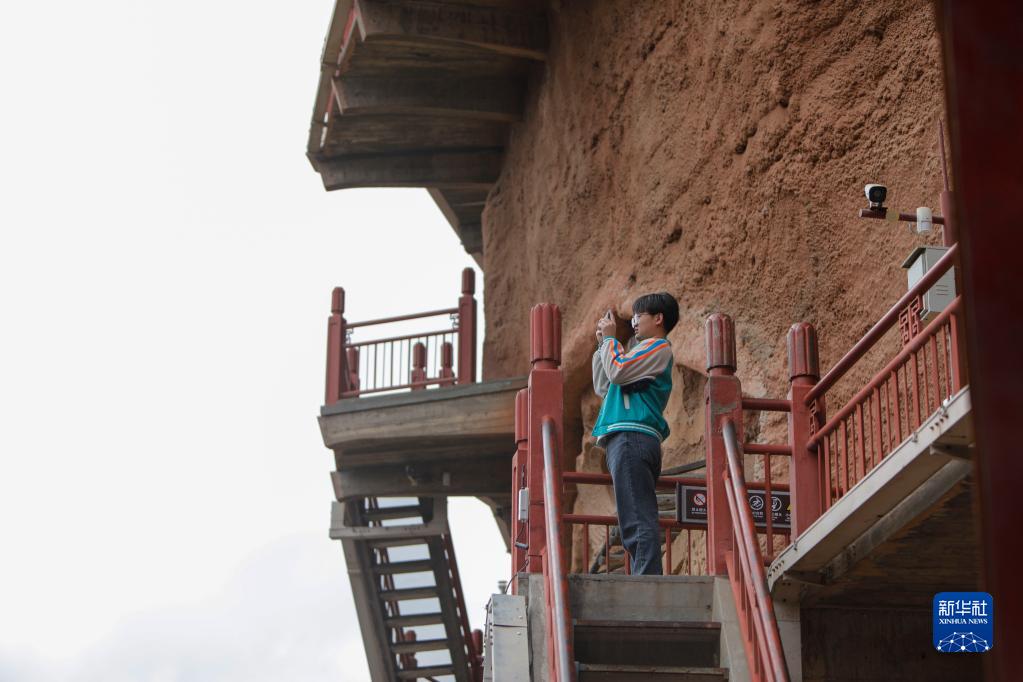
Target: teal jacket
[614, 366]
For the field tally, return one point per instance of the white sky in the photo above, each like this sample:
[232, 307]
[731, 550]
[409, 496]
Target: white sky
[166, 261]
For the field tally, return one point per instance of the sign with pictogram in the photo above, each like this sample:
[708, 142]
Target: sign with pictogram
[692, 503]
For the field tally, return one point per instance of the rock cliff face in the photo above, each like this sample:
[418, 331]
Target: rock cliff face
[718, 152]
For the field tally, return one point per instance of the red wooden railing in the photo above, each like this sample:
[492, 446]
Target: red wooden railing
[440, 357]
[764, 653]
[896, 400]
[733, 542]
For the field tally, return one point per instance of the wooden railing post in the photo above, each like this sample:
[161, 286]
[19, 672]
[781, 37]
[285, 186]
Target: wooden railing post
[804, 420]
[352, 373]
[447, 361]
[336, 382]
[519, 481]
[723, 395]
[545, 401]
[418, 366]
[467, 329]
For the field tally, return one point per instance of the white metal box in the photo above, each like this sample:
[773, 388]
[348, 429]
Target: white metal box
[941, 294]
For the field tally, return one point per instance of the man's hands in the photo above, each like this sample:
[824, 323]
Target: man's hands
[606, 326]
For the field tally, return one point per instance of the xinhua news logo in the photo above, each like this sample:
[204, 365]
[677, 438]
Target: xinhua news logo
[964, 622]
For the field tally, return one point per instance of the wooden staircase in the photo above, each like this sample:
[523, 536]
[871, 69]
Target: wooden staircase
[407, 592]
[644, 628]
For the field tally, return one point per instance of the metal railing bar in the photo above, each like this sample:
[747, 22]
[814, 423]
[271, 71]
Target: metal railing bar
[402, 318]
[423, 335]
[558, 583]
[749, 543]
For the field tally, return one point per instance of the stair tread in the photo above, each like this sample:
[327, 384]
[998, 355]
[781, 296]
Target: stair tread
[409, 593]
[646, 624]
[651, 668]
[406, 620]
[414, 646]
[651, 643]
[614, 673]
[417, 566]
[399, 512]
[429, 671]
[397, 541]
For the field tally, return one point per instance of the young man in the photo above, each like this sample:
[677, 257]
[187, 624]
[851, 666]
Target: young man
[635, 383]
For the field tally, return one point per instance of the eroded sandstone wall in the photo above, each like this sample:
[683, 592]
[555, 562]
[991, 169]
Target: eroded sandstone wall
[717, 151]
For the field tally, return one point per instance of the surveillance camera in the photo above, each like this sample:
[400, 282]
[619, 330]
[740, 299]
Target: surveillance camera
[876, 195]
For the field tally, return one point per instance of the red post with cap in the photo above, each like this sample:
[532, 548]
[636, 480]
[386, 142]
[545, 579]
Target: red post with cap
[336, 381]
[723, 396]
[545, 400]
[804, 420]
[467, 329]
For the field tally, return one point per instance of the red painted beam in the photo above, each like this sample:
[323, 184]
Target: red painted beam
[981, 42]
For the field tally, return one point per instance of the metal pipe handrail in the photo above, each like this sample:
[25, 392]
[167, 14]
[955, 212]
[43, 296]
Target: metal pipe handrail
[402, 318]
[557, 583]
[914, 345]
[750, 544]
[403, 337]
[881, 326]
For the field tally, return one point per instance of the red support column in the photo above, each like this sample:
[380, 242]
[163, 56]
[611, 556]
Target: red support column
[467, 329]
[723, 395]
[418, 365]
[336, 374]
[545, 401]
[519, 481]
[804, 467]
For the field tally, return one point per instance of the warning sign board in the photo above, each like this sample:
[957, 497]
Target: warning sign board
[693, 505]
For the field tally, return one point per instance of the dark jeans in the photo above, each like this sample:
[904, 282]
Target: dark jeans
[634, 460]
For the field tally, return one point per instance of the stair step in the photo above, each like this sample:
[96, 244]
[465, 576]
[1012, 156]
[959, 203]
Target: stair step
[414, 619]
[419, 645]
[397, 541]
[419, 566]
[409, 593]
[430, 671]
[652, 643]
[599, 672]
[402, 512]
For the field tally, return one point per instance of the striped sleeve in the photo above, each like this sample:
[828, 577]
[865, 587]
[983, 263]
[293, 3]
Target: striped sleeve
[646, 360]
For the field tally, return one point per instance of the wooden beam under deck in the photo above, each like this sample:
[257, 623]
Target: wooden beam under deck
[490, 99]
[495, 29]
[456, 169]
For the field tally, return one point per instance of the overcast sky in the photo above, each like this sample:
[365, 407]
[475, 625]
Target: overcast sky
[166, 263]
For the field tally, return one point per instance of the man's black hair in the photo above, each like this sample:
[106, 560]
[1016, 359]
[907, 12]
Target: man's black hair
[663, 303]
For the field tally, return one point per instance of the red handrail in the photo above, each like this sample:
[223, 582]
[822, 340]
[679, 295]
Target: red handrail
[914, 345]
[766, 656]
[401, 318]
[882, 326]
[563, 665]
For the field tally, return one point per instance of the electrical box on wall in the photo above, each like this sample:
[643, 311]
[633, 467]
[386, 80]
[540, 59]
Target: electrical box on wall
[941, 294]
